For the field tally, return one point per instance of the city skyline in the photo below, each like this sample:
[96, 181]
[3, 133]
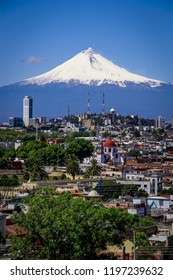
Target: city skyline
[37, 36]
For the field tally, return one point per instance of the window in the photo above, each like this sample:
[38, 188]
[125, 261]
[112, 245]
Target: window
[161, 203]
[154, 183]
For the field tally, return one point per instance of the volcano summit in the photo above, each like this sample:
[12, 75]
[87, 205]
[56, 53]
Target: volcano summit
[90, 68]
[67, 86]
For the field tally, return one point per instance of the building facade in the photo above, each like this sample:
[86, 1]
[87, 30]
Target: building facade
[27, 110]
[15, 122]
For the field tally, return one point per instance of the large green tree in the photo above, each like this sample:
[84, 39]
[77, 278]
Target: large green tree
[47, 155]
[65, 228]
[30, 148]
[51, 155]
[80, 147]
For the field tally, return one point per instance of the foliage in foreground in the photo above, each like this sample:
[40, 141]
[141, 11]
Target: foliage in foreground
[65, 228]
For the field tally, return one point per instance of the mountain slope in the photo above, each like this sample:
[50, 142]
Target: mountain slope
[90, 68]
[68, 85]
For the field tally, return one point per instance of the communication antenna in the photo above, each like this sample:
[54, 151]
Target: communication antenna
[68, 112]
[89, 110]
[103, 104]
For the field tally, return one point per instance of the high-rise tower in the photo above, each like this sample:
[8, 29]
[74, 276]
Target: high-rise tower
[27, 109]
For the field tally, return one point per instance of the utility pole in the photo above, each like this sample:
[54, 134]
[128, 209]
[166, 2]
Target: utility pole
[134, 245]
[68, 112]
[36, 132]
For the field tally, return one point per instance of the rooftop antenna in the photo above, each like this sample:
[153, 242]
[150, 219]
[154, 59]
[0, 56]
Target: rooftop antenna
[103, 104]
[68, 112]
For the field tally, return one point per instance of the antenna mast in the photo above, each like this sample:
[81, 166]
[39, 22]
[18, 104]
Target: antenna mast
[103, 104]
[89, 110]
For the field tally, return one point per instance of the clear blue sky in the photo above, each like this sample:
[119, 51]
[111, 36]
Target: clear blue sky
[38, 35]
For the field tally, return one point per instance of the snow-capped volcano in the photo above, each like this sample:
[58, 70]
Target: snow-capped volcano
[90, 68]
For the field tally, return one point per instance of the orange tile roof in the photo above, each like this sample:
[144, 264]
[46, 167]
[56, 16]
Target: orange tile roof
[16, 230]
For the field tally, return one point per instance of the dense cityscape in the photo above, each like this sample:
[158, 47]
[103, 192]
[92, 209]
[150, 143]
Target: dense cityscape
[115, 170]
[86, 139]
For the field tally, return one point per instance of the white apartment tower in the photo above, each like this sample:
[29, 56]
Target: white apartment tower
[160, 122]
[27, 110]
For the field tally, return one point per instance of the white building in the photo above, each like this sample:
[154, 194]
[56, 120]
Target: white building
[108, 152]
[159, 202]
[151, 183]
[27, 110]
[160, 122]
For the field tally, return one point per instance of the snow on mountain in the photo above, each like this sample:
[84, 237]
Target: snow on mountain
[90, 68]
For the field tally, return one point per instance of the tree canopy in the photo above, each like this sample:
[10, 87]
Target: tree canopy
[80, 147]
[60, 227]
[30, 148]
[7, 181]
[55, 154]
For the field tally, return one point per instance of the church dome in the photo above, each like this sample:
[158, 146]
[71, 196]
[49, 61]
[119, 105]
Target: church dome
[109, 143]
[93, 193]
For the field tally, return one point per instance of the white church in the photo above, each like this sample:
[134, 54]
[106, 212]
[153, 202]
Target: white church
[108, 152]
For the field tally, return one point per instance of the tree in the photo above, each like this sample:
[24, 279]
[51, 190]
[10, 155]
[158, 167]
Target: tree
[34, 170]
[2, 151]
[3, 163]
[72, 165]
[141, 193]
[60, 227]
[147, 222]
[134, 153]
[7, 181]
[55, 155]
[93, 169]
[80, 147]
[141, 240]
[10, 153]
[106, 134]
[5, 155]
[30, 148]
[80, 134]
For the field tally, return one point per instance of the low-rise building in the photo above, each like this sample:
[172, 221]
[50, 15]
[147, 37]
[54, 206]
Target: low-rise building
[159, 202]
[150, 183]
